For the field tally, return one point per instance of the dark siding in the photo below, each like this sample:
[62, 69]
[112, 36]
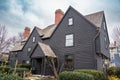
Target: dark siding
[103, 34]
[84, 34]
[13, 57]
[37, 52]
[30, 44]
[97, 44]
[99, 62]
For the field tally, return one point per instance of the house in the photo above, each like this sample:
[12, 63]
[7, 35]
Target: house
[15, 53]
[74, 40]
[114, 55]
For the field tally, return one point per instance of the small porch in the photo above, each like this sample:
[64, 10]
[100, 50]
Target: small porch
[39, 62]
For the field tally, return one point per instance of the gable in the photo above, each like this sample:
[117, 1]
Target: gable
[42, 50]
[37, 52]
[29, 43]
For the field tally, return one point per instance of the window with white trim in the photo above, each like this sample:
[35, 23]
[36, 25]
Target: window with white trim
[34, 39]
[69, 40]
[70, 21]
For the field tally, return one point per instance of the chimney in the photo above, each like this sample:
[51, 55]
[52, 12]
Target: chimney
[58, 15]
[26, 32]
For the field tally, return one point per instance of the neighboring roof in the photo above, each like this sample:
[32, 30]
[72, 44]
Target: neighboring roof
[4, 57]
[95, 18]
[47, 32]
[39, 31]
[18, 46]
[46, 50]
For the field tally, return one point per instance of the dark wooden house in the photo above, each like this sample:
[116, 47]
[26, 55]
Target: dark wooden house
[75, 40]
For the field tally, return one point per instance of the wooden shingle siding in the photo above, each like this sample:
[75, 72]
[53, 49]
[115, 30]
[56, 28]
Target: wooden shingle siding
[82, 49]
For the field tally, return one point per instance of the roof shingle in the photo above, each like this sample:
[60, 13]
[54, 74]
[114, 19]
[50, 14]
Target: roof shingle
[95, 18]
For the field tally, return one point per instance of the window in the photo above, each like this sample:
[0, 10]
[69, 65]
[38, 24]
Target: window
[33, 39]
[106, 46]
[27, 62]
[29, 49]
[69, 62]
[113, 56]
[104, 25]
[69, 40]
[119, 54]
[70, 21]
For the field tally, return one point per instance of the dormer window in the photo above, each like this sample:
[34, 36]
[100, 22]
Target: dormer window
[33, 39]
[70, 21]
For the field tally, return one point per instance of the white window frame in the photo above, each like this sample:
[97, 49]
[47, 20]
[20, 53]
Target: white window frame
[34, 38]
[69, 39]
[70, 21]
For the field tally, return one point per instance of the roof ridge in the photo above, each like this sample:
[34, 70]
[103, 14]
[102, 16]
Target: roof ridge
[95, 13]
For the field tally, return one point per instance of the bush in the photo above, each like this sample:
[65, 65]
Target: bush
[96, 74]
[114, 71]
[113, 78]
[9, 77]
[24, 66]
[19, 71]
[4, 69]
[75, 76]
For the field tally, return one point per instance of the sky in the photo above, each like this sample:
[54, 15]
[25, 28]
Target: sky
[18, 14]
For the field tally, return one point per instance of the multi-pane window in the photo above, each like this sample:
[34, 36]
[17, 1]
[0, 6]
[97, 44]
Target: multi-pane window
[69, 40]
[69, 62]
[33, 39]
[70, 21]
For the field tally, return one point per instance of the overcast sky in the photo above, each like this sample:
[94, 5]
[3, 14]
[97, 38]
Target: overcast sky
[16, 14]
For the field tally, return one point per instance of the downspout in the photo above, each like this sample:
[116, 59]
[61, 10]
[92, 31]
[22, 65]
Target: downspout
[94, 47]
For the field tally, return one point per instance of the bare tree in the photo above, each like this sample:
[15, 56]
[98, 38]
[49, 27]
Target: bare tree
[116, 35]
[19, 37]
[5, 42]
[51, 62]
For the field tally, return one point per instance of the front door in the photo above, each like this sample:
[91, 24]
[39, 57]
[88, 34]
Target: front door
[37, 65]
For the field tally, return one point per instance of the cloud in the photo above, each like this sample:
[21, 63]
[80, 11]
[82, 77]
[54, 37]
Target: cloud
[16, 14]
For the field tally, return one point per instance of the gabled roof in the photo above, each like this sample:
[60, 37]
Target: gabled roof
[46, 50]
[96, 18]
[46, 32]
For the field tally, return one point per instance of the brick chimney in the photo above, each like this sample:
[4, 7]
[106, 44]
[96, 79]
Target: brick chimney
[58, 15]
[26, 32]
